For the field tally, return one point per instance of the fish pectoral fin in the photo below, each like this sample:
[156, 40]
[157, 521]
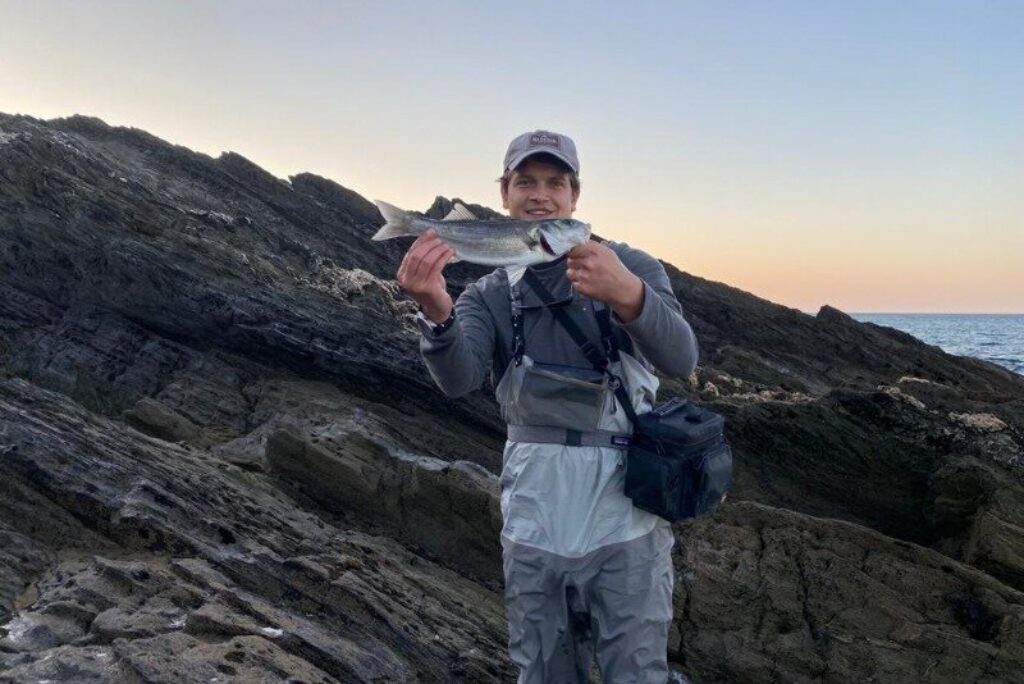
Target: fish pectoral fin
[459, 212]
[515, 274]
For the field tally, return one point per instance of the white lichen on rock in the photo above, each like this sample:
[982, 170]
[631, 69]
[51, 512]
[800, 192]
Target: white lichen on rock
[725, 377]
[775, 395]
[911, 378]
[207, 215]
[981, 422]
[896, 393]
[6, 137]
[68, 142]
[356, 285]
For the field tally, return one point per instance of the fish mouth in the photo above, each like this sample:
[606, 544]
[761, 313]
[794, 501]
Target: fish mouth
[545, 246]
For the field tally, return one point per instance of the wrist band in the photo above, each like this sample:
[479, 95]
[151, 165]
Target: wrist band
[439, 328]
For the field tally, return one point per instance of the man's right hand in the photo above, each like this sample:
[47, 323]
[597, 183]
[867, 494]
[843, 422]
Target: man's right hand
[420, 275]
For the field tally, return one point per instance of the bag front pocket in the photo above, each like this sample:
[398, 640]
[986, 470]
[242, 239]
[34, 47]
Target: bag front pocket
[677, 482]
[657, 483]
[561, 396]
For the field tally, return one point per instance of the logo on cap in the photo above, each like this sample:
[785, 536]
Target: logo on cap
[545, 139]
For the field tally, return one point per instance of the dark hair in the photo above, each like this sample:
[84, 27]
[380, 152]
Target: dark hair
[574, 180]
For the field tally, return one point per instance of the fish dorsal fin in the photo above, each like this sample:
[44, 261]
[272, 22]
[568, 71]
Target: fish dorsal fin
[459, 212]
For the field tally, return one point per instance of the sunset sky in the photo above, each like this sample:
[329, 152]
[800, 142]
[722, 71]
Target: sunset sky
[866, 155]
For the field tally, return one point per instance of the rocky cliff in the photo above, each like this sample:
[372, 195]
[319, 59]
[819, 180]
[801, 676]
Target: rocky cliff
[222, 460]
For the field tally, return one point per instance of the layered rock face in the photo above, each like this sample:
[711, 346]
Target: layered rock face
[222, 460]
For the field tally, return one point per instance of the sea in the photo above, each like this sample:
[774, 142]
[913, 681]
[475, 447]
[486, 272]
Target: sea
[998, 338]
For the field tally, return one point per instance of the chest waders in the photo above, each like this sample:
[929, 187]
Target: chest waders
[586, 572]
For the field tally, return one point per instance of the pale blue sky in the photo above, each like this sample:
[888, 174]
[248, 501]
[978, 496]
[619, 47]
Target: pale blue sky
[867, 155]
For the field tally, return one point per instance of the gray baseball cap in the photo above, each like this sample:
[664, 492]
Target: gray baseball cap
[547, 142]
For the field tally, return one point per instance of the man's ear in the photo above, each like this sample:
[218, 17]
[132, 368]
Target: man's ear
[575, 198]
[504, 196]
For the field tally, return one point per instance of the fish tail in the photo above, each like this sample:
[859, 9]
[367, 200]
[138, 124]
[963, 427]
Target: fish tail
[398, 223]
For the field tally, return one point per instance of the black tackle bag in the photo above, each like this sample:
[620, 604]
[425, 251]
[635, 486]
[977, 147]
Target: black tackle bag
[678, 465]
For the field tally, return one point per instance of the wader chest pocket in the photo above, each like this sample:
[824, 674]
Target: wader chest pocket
[562, 396]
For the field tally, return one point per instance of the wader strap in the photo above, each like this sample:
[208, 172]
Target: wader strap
[518, 339]
[556, 435]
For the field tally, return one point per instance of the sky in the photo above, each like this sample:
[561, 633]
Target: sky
[865, 155]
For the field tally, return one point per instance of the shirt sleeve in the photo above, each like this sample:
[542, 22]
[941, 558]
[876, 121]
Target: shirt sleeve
[459, 358]
[660, 332]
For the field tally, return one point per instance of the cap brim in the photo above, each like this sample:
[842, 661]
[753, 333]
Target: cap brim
[518, 159]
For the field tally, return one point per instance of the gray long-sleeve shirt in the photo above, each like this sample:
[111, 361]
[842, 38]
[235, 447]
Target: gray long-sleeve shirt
[481, 338]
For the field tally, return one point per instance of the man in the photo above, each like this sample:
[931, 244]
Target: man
[585, 570]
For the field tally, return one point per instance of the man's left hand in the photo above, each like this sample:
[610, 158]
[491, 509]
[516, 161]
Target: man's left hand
[596, 272]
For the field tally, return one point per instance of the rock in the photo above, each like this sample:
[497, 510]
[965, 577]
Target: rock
[174, 658]
[980, 422]
[152, 417]
[221, 455]
[66, 664]
[21, 560]
[447, 510]
[898, 394]
[771, 595]
[216, 553]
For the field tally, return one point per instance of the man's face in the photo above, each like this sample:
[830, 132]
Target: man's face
[539, 191]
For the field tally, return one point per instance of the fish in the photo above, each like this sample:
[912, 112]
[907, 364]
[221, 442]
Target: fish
[508, 243]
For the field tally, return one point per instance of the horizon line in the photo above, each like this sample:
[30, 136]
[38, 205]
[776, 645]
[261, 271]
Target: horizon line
[935, 313]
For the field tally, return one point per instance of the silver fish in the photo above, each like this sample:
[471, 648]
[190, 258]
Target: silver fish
[510, 243]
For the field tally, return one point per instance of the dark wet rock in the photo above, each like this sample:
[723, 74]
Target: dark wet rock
[66, 664]
[21, 559]
[355, 606]
[221, 456]
[447, 510]
[180, 657]
[771, 595]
